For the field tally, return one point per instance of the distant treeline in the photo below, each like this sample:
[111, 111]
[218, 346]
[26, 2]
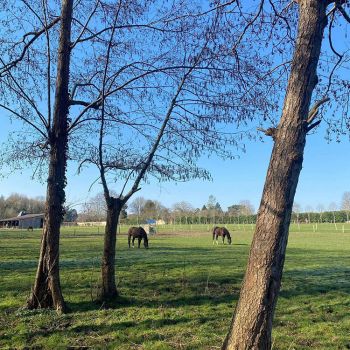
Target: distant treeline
[328, 216]
[142, 210]
[15, 203]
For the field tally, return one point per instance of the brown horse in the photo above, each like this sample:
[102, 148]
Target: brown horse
[223, 232]
[139, 233]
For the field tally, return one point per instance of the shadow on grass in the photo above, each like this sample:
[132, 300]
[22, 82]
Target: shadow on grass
[138, 327]
[123, 302]
[329, 275]
[312, 282]
[136, 255]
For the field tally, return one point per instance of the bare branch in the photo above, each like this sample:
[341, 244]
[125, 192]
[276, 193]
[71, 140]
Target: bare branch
[279, 15]
[86, 24]
[89, 83]
[340, 56]
[313, 125]
[269, 132]
[94, 105]
[249, 24]
[6, 67]
[342, 11]
[24, 119]
[314, 110]
[151, 25]
[172, 105]
[100, 145]
[27, 98]
[48, 69]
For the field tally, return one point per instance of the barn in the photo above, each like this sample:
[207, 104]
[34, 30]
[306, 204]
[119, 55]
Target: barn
[23, 221]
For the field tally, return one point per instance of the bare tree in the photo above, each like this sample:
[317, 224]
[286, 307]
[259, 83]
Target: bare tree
[29, 52]
[247, 207]
[179, 105]
[94, 209]
[297, 210]
[137, 206]
[47, 69]
[309, 210]
[183, 209]
[47, 290]
[345, 204]
[211, 208]
[152, 209]
[333, 207]
[320, 209]
[252, 321]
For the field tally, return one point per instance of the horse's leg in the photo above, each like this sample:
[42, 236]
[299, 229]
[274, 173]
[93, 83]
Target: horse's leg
[223, 239]
[129, 239]
[139, 242]
[133, 240]
[217, 239]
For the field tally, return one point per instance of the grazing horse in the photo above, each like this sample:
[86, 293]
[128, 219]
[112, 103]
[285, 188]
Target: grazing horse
[223, 232]
[139, 233]
[30, 228]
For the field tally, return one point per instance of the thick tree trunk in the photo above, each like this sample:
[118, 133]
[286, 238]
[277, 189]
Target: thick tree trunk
[252, 322]
[108, 287]
[47, 290]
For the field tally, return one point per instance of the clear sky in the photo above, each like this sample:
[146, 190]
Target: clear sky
[324, 178]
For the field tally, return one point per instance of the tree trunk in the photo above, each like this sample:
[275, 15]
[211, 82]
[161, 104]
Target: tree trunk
[47, 289]
[252, 322]
[109, 288]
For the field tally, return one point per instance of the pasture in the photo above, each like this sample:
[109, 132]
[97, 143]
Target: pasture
[179, 294]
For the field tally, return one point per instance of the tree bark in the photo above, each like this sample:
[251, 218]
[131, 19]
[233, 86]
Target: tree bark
[47, 289]
[251, 325]
[108, 287]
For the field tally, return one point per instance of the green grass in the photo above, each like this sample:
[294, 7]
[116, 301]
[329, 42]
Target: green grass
[179, 294]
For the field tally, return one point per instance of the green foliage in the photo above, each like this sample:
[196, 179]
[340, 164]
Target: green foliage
[327, 216]
[71, 215]
[179, 294]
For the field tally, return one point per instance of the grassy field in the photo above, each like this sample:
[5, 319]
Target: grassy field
[179, 294]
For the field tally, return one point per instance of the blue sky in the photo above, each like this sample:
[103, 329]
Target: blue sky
[325, 177]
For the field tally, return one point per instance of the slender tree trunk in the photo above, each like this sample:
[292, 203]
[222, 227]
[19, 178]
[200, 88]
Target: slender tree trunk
[109, 288]
[47, 289]
[252, 322]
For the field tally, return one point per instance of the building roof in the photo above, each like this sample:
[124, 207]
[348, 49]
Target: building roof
[23, 217]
